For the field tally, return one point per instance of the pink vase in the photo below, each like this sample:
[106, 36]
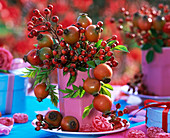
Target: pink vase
[75, 106]
[157, 73]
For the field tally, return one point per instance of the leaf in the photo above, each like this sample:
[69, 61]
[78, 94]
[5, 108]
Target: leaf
[71, 80]
[108, 86]
[120, 48]
[110, 43]
[75, 95]
[157, 48]
[54, 99]
[153, 32]
[63, 91]
[146, 46]
[35, 45]
[82, 92]
[97, 61]
[150, 56]
[82, 69]
[164, 36]
[105, 91]
[75, 87]
[106, 58]
[64, 73]
[88, 73]
[69, 90]
[68, 95]
[91, 64]
[159, 42]
[97, 45]
[87, 110]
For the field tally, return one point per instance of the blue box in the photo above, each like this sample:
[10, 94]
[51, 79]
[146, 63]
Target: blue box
[13, 89]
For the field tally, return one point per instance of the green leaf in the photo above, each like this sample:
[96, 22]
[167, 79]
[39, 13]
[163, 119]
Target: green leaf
[97, 61]
[68, 95]
[69, 90]
[150, 56]
[71, 80]
[97, 45]
[120, 48]
[91, 64]
[35, 45]
[164, 36]
[82, 69]
[157, 48]
[106, 58]
[63, 91]
[146, 46]
[159, 42]
[75, 87]
[105, 91]
[64, 73]
[110, 43]
[87, 110]
[75, 95]
[153, 32]
[108, 86]
[82, 92]
[54, 99]
[88, 73]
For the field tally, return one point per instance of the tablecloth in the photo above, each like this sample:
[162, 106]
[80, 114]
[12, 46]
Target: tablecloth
[28, 131]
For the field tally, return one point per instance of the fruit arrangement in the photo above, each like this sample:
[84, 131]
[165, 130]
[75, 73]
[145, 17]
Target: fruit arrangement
[75, 48]
[149, 27]
[54, 120]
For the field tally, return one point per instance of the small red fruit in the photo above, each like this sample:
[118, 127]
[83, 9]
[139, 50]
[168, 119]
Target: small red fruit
[102, 103]
[91, 86]
[103, 72]
[40, 91]
[118, 105]
[70, 123]
[53, 118]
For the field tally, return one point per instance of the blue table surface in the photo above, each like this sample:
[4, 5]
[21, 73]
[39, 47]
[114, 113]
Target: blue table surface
[28, 131]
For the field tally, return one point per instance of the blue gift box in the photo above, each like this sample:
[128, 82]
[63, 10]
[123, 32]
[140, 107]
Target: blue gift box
[13, 89]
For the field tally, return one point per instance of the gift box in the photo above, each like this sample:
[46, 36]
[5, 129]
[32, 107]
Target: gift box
[158, 115]
[12, 92]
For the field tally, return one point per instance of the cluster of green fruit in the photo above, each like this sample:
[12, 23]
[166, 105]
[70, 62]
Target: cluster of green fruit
[149, 27]
[75, 48]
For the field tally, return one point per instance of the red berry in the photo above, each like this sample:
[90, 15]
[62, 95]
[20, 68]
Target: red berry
[117, 42]
[86, 59]
[40, 19]
[59, 26]
[34, 19]
[39, 117]
[30, 35]
[63, 58]
[83, 38]
[55, 19]
[30, 23]
[93, 51]
[46, 11]
[126, 13]
[54, 61]
[37, 128]
[47, 56]
[101, 57]
[55, 52]
[103, 43]
[45, 126]
[114, 37]
[107, 48]
[83, 52]
[120, 113]
[73, 73]
[118, 105]
[118, 119]
[124, 121]
[30, 27]
[62, 44]
[36, 12]
[110, 53]
[112, 20]
[102, 51]
[120, 27]
[82, 30]
[60, 32]
[122, 9]
[125, 111]
[161, 6]
[65, 69]
[50, 7]
[72, 53]
[38, 123]
[48, 24]
[100, 23]
[73, 66]
[120, 21]
[34, 32]
[114, 63]
[64, 51]
[81, 58]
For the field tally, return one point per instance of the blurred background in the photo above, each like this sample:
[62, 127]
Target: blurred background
[14, 15]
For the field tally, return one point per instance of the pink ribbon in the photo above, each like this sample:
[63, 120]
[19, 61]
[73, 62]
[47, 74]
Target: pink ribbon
[9, 97]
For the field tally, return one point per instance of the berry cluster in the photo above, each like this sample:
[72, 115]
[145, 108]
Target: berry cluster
[137, 82]
[54, 120]
[149, 27]
[72, 49]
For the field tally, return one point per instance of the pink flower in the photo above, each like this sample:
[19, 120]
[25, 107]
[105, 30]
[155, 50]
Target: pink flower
[5, 59]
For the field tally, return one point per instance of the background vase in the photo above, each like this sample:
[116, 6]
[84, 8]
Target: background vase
[75, 106]
[157, 73]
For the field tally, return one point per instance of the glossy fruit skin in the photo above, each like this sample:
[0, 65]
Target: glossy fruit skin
[92, 33]
[158, 23]
[71, 35]
[103, 72]
[84, 20]
[33, 58]
[166, 28]
[102, 103]
[145, 23]
[45, 41]
[53, 118]
[43, 52]
[70, 123]
[91, 86]
[40, 91]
